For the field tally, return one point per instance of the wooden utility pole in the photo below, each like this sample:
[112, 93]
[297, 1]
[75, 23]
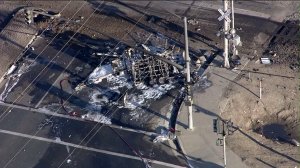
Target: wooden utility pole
[189, 101]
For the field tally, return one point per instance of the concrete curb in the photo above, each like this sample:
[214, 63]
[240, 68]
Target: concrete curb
[178, 140]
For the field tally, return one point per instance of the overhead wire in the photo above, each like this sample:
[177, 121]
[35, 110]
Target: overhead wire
[71, 96]
[51, 116]
[20, 55]
[4, 114]
[96, 125]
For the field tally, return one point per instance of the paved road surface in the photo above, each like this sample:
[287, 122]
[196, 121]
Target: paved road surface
[22, 125]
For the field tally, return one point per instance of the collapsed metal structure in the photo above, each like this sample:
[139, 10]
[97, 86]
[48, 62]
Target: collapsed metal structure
[146, 67]
[151, 70]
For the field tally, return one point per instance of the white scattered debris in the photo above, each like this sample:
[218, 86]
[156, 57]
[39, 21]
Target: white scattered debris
[146, 47]
[100, 73]
[119, 82]
[45, 110]
[80, 87]
[156, 91]
[164, 136]
[147, 93]
[134, 101]
[68, 149]
[11, 69]
[97, 117]
[265, 61]
[193, 21]
[146, 163]
[97, 98]
[295, 142]
[13, 79]
[69, 161]
[57, 139]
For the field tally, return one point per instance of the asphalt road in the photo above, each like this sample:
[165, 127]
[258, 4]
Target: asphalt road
[22, 127]
[19, 125]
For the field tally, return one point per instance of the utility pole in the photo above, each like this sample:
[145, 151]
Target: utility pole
[226, 29]
[189, 101]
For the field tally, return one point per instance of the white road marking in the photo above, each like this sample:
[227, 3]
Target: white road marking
[73, 118]
[86, 148]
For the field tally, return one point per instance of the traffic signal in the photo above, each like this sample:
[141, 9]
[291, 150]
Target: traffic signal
[218, 126]
[28, 16]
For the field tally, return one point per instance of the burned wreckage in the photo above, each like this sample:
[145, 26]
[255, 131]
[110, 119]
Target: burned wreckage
[152, 65]
[158, 62]
[148, 65]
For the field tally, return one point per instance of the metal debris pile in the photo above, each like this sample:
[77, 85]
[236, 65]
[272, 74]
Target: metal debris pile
[141, 67]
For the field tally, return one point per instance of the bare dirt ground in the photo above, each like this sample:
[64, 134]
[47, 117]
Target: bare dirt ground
[266, 126]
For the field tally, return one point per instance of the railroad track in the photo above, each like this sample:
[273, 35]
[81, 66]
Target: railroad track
[287, 33]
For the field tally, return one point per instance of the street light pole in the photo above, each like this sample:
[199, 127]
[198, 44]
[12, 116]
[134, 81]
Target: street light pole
[188, 77]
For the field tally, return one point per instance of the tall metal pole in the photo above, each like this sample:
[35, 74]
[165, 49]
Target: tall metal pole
[232, 15]
[224, 151]
[226, 29]
[232, 31]
[188, 76]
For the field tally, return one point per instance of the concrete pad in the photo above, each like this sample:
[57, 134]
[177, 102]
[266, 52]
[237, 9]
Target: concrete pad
[200, 143]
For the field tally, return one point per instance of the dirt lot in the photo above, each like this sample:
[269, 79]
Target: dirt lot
[266, 126]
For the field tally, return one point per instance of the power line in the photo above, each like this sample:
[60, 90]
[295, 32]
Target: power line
[97, 126]
[6, 111]
[71, 96]
[116, 100]
[57, 110]
[20, 55]
[97, 123]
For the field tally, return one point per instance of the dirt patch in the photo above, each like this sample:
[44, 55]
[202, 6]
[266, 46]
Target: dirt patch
[267, 125]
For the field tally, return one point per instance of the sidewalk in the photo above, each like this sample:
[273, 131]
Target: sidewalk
[199, 145]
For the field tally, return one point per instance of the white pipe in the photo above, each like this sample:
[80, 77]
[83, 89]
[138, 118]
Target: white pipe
[260, 90]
